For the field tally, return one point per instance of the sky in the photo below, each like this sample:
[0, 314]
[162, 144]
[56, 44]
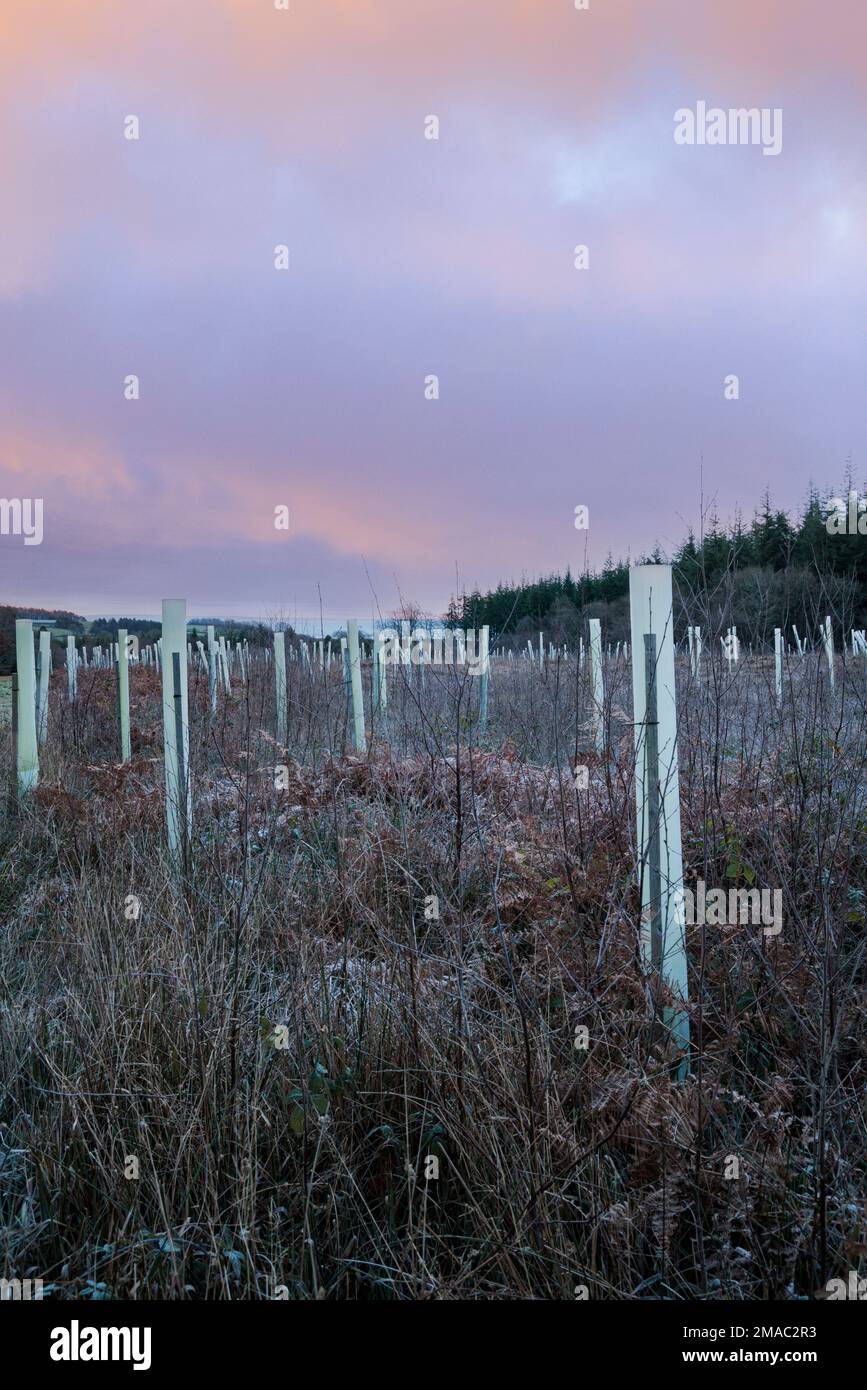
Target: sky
[409, 257]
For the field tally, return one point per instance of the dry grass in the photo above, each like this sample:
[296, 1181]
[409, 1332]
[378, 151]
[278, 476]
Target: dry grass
[284, 1041]
[5, 701]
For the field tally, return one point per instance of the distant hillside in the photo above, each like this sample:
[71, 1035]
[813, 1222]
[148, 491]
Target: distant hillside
[98, 632]
[67, 622]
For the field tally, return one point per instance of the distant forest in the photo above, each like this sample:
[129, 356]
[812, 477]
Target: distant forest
[776, 572]
[101, 631]
[773, 573]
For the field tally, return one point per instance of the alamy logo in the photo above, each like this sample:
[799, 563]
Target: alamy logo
[737, 126]
[434, 647]
[22, 516]
[76, 1343]
[855, 1288]
[24, 1290]
[738, 907]
[843, 520]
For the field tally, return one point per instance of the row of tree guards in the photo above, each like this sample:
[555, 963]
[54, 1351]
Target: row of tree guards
[660, 867]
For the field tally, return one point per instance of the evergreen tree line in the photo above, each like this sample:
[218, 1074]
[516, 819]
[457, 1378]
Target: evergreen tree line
[775, 572]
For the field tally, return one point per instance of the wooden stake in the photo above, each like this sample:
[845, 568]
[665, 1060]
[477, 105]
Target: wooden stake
[44, 685]
[12, 789]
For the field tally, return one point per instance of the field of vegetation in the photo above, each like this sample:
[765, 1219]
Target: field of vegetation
[340, 1056]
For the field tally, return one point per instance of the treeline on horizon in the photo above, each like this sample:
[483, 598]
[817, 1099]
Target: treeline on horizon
[776, 572]
[99, 632]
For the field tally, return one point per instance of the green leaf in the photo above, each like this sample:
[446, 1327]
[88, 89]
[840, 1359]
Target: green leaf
[296, 1119]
